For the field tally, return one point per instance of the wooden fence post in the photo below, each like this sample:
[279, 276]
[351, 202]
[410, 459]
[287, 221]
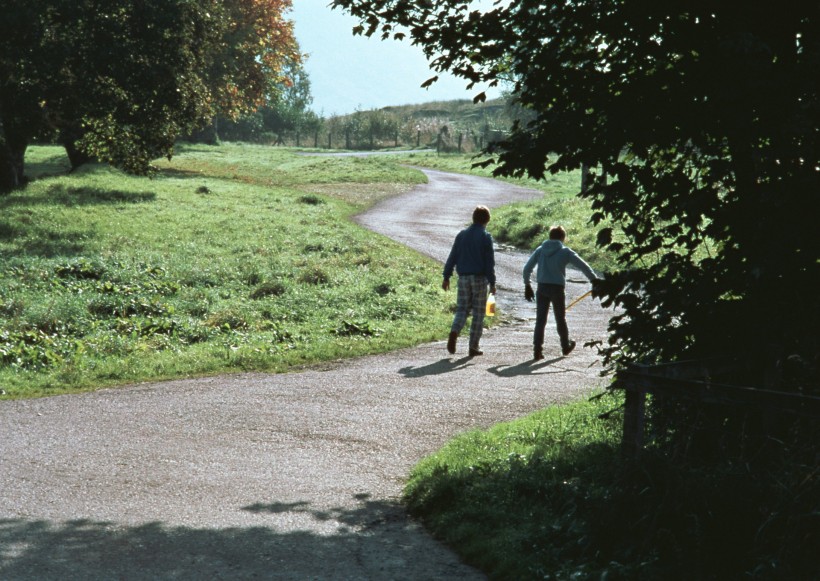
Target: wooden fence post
[634, 414]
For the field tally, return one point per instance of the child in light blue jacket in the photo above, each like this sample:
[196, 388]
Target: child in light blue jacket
[552, 258]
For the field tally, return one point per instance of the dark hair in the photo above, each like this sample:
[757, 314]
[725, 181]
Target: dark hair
[481, 215]
[558, 233]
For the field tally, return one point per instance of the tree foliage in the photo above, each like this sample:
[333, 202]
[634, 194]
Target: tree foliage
[119, 80]
[286, 109]
[703, 119]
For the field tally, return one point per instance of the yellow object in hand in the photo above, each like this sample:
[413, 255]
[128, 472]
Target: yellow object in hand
[490, 312]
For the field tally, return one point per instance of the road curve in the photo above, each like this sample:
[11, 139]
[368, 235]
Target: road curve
[292, 476]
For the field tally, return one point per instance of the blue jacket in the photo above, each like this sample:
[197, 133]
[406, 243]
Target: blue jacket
[552, 258]
[472, 253]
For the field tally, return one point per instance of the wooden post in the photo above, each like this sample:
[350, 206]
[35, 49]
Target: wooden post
[329, 140]
[316, 139]
[460, 136]
[297, 139]
[634, 414]
[418, 137]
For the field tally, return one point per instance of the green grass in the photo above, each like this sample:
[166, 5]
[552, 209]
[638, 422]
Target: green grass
[525, 225]
[232, 258]
[507, 499]
[550, 497]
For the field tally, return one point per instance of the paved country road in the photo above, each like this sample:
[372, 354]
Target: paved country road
[293, 476]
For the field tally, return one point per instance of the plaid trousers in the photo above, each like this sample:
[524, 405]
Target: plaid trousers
[471, 297]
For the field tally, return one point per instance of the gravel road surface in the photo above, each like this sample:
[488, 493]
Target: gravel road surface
[293, 476]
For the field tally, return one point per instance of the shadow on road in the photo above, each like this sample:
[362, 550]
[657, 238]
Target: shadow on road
[436, 368]
[374, 540]
[530, 367]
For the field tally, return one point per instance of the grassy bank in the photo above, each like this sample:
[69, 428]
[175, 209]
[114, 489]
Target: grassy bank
[549, 497]
[232, 258]
[526, 224]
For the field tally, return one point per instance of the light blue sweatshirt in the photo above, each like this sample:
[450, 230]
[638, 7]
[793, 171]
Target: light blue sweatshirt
[552, 258]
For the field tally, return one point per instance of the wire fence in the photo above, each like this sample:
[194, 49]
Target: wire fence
[702, 407]
[441, 141]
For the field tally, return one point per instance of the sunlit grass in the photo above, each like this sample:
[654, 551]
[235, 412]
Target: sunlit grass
[525, 225]
[229, 259]
[507, 499]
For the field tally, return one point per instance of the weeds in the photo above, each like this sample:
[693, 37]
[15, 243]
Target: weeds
[103, 282]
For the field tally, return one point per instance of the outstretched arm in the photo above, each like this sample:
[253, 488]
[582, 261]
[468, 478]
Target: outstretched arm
[581, 265]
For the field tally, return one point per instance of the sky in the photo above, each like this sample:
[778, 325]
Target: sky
[349, 73]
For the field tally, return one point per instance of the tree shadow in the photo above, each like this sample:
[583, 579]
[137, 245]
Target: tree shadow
[28, 235]
[181, 172]
[84, 196]
[51, 166]
[436, 368]
[62, 195]
[530, 367]
[28, 239]
[375, 539]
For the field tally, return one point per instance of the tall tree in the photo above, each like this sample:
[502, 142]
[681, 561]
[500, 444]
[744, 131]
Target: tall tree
[119, 80]
[290, 109]
[705, 117]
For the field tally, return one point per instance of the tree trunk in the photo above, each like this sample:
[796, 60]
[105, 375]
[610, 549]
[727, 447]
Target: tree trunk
[208, 134]
[68, 139]
[12, 166]
[584, 177]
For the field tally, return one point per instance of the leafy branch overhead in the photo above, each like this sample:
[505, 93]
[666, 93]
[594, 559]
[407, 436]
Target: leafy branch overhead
[120, 80]
[700, 123]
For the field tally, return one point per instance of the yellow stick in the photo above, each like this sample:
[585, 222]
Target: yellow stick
[579, 299]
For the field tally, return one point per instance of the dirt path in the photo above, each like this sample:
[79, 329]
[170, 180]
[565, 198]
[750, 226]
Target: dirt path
[291, 476]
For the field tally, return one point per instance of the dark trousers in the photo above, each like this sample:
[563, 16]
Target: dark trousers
[545, 295]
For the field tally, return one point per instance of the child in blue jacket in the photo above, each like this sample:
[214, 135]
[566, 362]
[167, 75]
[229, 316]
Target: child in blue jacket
[552, 258]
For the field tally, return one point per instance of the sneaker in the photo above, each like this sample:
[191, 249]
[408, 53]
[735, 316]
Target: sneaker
[538, 354]
[568, 349]
[451, 342]
[475, 352]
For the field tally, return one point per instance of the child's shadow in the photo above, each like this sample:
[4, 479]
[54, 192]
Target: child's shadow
[442, 366]
[530, 367]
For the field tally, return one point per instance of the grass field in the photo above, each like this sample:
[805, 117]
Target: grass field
[231, 258]
[525, 225]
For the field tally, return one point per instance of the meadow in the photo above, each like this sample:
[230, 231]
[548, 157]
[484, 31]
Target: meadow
[231, 258]
[525, 225]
